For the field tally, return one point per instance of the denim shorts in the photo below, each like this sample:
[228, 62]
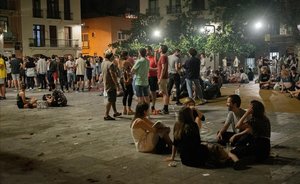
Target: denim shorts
[141, 91]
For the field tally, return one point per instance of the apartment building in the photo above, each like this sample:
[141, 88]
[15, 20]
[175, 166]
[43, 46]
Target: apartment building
[99, 32]
[42, 27]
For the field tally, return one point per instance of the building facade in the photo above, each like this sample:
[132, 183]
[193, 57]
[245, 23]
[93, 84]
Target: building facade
[44, 27]
[98, 33]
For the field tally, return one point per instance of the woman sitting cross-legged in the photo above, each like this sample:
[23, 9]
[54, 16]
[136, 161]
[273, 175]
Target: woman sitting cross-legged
[149, 137]
[23, 101]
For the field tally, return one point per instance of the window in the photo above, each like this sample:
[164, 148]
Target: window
[153, 7]
[174, 6]
[3, 4]
[85, 40]
[36, 8]
[67, 10]
[53, 9]
[122, 36]
[198, 5]
[68, 36]
[3, 23]
[39, 35]
[53, 36]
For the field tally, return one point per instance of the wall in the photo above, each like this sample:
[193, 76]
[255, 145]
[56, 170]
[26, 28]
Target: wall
[27, 25]
[105, 32]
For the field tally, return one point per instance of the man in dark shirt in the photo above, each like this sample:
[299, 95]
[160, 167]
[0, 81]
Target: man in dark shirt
[15, 70]
[192, 67]
[51, 71]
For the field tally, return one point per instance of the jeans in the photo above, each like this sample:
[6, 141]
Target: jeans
[71, 79]
[42, 79]
[174, 78]
[198, 88]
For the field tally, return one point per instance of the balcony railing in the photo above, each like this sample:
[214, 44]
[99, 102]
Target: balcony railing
[152, 11]
[60, 43]
[173, 9]
[54, 15]
[37, 13]
[68, 16]
[85, 44]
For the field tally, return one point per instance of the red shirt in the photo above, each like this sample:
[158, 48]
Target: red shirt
[163, 60]
[152, 62]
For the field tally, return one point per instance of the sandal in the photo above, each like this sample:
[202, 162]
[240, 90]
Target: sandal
[109, 118]
[130, 113]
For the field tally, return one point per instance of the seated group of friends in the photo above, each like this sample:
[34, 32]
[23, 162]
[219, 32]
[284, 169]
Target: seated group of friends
[287, 81]
[56, 99]
[250, 137]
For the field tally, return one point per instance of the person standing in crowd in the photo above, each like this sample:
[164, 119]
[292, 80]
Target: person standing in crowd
[41, 69]
[174, 66]
[152, 77]
[9, 82]
[15, 71]
[141, 70]
[192, 67]
[62, 74]
[235, 112]
[236, 63]
[2, 78]
[89, 71]
[126, 82]
[111, 85]
[51, 71]
[70, 65]
[30, 72]
[80, 71]
[162, 76]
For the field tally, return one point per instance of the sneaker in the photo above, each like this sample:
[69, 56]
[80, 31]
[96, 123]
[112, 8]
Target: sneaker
[163, 111]
[107, 118]
[117, 114]
[178, 103]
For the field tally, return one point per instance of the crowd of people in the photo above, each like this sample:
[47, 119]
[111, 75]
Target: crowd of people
[154, 73]
[281, 75]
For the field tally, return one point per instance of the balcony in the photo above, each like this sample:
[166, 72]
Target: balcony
[68, 16]
[174, 9]
[54, 14]
[85, 44]
[37, 13]
[152, 11]
[54, 43]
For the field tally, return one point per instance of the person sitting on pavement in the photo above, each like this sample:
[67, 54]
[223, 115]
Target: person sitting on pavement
[250, 74]
[286, 81]
[56, 99]
[258, 133]
[146, 134]
[295, 94]
[264, 78]
[212, 90]
[243, 77]
[198, 115]
[23, 101]
[235, 112]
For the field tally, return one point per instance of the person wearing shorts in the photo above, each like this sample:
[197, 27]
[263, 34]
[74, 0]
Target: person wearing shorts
[152, 76]
[162, 75]
[111, 86]
[141, 70]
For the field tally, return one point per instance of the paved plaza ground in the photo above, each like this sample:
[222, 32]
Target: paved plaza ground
[74, 144]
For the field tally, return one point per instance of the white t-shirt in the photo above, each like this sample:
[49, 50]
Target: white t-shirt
[70, 66]
[233, 118]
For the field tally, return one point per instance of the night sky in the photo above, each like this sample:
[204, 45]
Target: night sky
[96, 8]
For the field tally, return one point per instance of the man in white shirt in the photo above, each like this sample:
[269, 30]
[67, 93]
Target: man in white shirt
[80, 70]
[41, 68]
[235, 113]
[70, 66]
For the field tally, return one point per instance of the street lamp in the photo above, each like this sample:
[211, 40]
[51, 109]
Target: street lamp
[208, 29]
[156, 33]
[258, 25]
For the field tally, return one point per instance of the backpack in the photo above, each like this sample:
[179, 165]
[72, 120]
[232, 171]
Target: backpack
[59, 98]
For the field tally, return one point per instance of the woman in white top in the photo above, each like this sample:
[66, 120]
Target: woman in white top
[145, 133]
